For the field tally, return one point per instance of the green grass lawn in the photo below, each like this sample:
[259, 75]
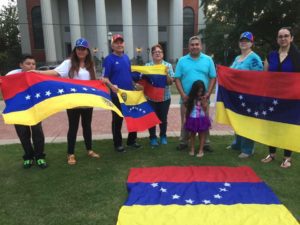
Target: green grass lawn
[93, 191]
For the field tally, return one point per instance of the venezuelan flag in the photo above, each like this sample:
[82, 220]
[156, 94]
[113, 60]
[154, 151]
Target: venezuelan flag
[200, 195]
[262, 106]
[31, 97]
[138, 113]
[154, 80]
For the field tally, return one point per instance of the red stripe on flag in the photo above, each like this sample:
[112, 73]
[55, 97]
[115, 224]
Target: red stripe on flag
[154, 93]
[192, 174]
[142, 123]
[27, 79]
[266, 84]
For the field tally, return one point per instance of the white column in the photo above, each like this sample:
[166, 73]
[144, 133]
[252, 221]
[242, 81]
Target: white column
[176, 29]
[74, 19]
[127, 27]
[102, 41]
[48, 31]
[152, 23]
[201, 23]
[23, 24]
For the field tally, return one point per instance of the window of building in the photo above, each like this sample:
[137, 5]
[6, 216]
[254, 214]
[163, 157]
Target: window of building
[37, 27]
[188, 25]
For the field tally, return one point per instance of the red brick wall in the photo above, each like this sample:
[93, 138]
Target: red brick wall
[38, 54]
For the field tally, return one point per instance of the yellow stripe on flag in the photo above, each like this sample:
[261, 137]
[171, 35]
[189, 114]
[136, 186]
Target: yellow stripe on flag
[239, 214]
[131, 97]
[271, 133]
[53, 105]
[155, 69]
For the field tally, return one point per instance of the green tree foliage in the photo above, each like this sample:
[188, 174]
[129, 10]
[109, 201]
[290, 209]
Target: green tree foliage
[10, 48]
[227, 19]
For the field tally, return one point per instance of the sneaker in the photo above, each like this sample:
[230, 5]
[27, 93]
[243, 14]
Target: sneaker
[71, 159]
[154, 142]
[243, 156]
[181, 147]
[27, 163]
[93, 154]
[135, 145]
[163, 140]
[120, 149]
[42, 163]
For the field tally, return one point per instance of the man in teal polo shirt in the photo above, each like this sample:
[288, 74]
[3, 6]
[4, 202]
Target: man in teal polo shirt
[190, 68]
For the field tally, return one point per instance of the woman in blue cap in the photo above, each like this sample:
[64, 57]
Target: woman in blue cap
[247, 60]
[79, 66]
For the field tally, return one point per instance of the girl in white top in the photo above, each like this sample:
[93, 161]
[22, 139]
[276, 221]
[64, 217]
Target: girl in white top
[80, 66]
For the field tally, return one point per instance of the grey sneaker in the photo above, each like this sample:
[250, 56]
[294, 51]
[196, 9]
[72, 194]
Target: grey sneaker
[243, 156]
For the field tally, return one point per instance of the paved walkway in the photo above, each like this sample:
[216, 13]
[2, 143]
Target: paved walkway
[56, 126]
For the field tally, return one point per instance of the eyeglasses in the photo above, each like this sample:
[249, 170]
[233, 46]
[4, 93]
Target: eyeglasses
[157, 52]
[283, 36]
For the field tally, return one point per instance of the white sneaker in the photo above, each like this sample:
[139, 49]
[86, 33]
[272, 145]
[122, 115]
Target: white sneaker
[243, 156]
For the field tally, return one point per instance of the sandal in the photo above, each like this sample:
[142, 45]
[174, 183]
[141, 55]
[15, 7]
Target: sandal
[200, 155]
[268, 159]
[286, 163]
[93, 154]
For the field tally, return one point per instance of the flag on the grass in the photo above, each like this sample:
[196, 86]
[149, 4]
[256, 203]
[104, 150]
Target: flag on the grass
[153, 79]
[137, 112]
[32, 97]
[262, 106]
[200, 195]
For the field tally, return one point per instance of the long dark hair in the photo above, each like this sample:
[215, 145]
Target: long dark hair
[193, 95]
[88, 63]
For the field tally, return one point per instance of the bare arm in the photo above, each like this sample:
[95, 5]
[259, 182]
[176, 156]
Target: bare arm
[212, 84]
[46, 72]
[113, 87]
[266, 65]
[180, 90]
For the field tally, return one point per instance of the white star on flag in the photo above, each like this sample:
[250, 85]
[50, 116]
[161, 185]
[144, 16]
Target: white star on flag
[84, 88]
[271, 109]
[256, 113]
[37, 95]
[154, 185]
[27, 97]
[206, 201]
[264, 112]
[218, 196]
[243, 104]
[249, 110]
[73, 90]
[60, 91]
[48, 93]
[93, 89]
[227, 184]
[189, 201]
[164, 190]
[275, 102]
[241, 97]
[175, 196]
[223, 189]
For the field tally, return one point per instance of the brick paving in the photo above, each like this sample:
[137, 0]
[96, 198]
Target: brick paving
[56, 126]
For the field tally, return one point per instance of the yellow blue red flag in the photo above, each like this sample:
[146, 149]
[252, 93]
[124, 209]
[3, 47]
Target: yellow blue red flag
[153, 79]
[137, 112]
[30, 97]
[200, 195]
[262, 106]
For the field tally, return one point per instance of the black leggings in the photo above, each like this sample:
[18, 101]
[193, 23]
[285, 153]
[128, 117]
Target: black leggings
[287, 153]
[86, 122]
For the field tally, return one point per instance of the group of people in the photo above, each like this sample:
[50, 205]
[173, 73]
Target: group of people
[194, 77]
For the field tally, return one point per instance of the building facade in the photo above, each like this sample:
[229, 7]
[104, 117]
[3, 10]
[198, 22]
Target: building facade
[49, 28]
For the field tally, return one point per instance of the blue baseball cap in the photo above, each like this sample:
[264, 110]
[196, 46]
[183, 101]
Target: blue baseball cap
[82, 42]
[247, 35]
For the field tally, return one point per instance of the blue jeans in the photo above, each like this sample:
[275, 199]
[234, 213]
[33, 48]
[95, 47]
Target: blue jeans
[243, 144]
